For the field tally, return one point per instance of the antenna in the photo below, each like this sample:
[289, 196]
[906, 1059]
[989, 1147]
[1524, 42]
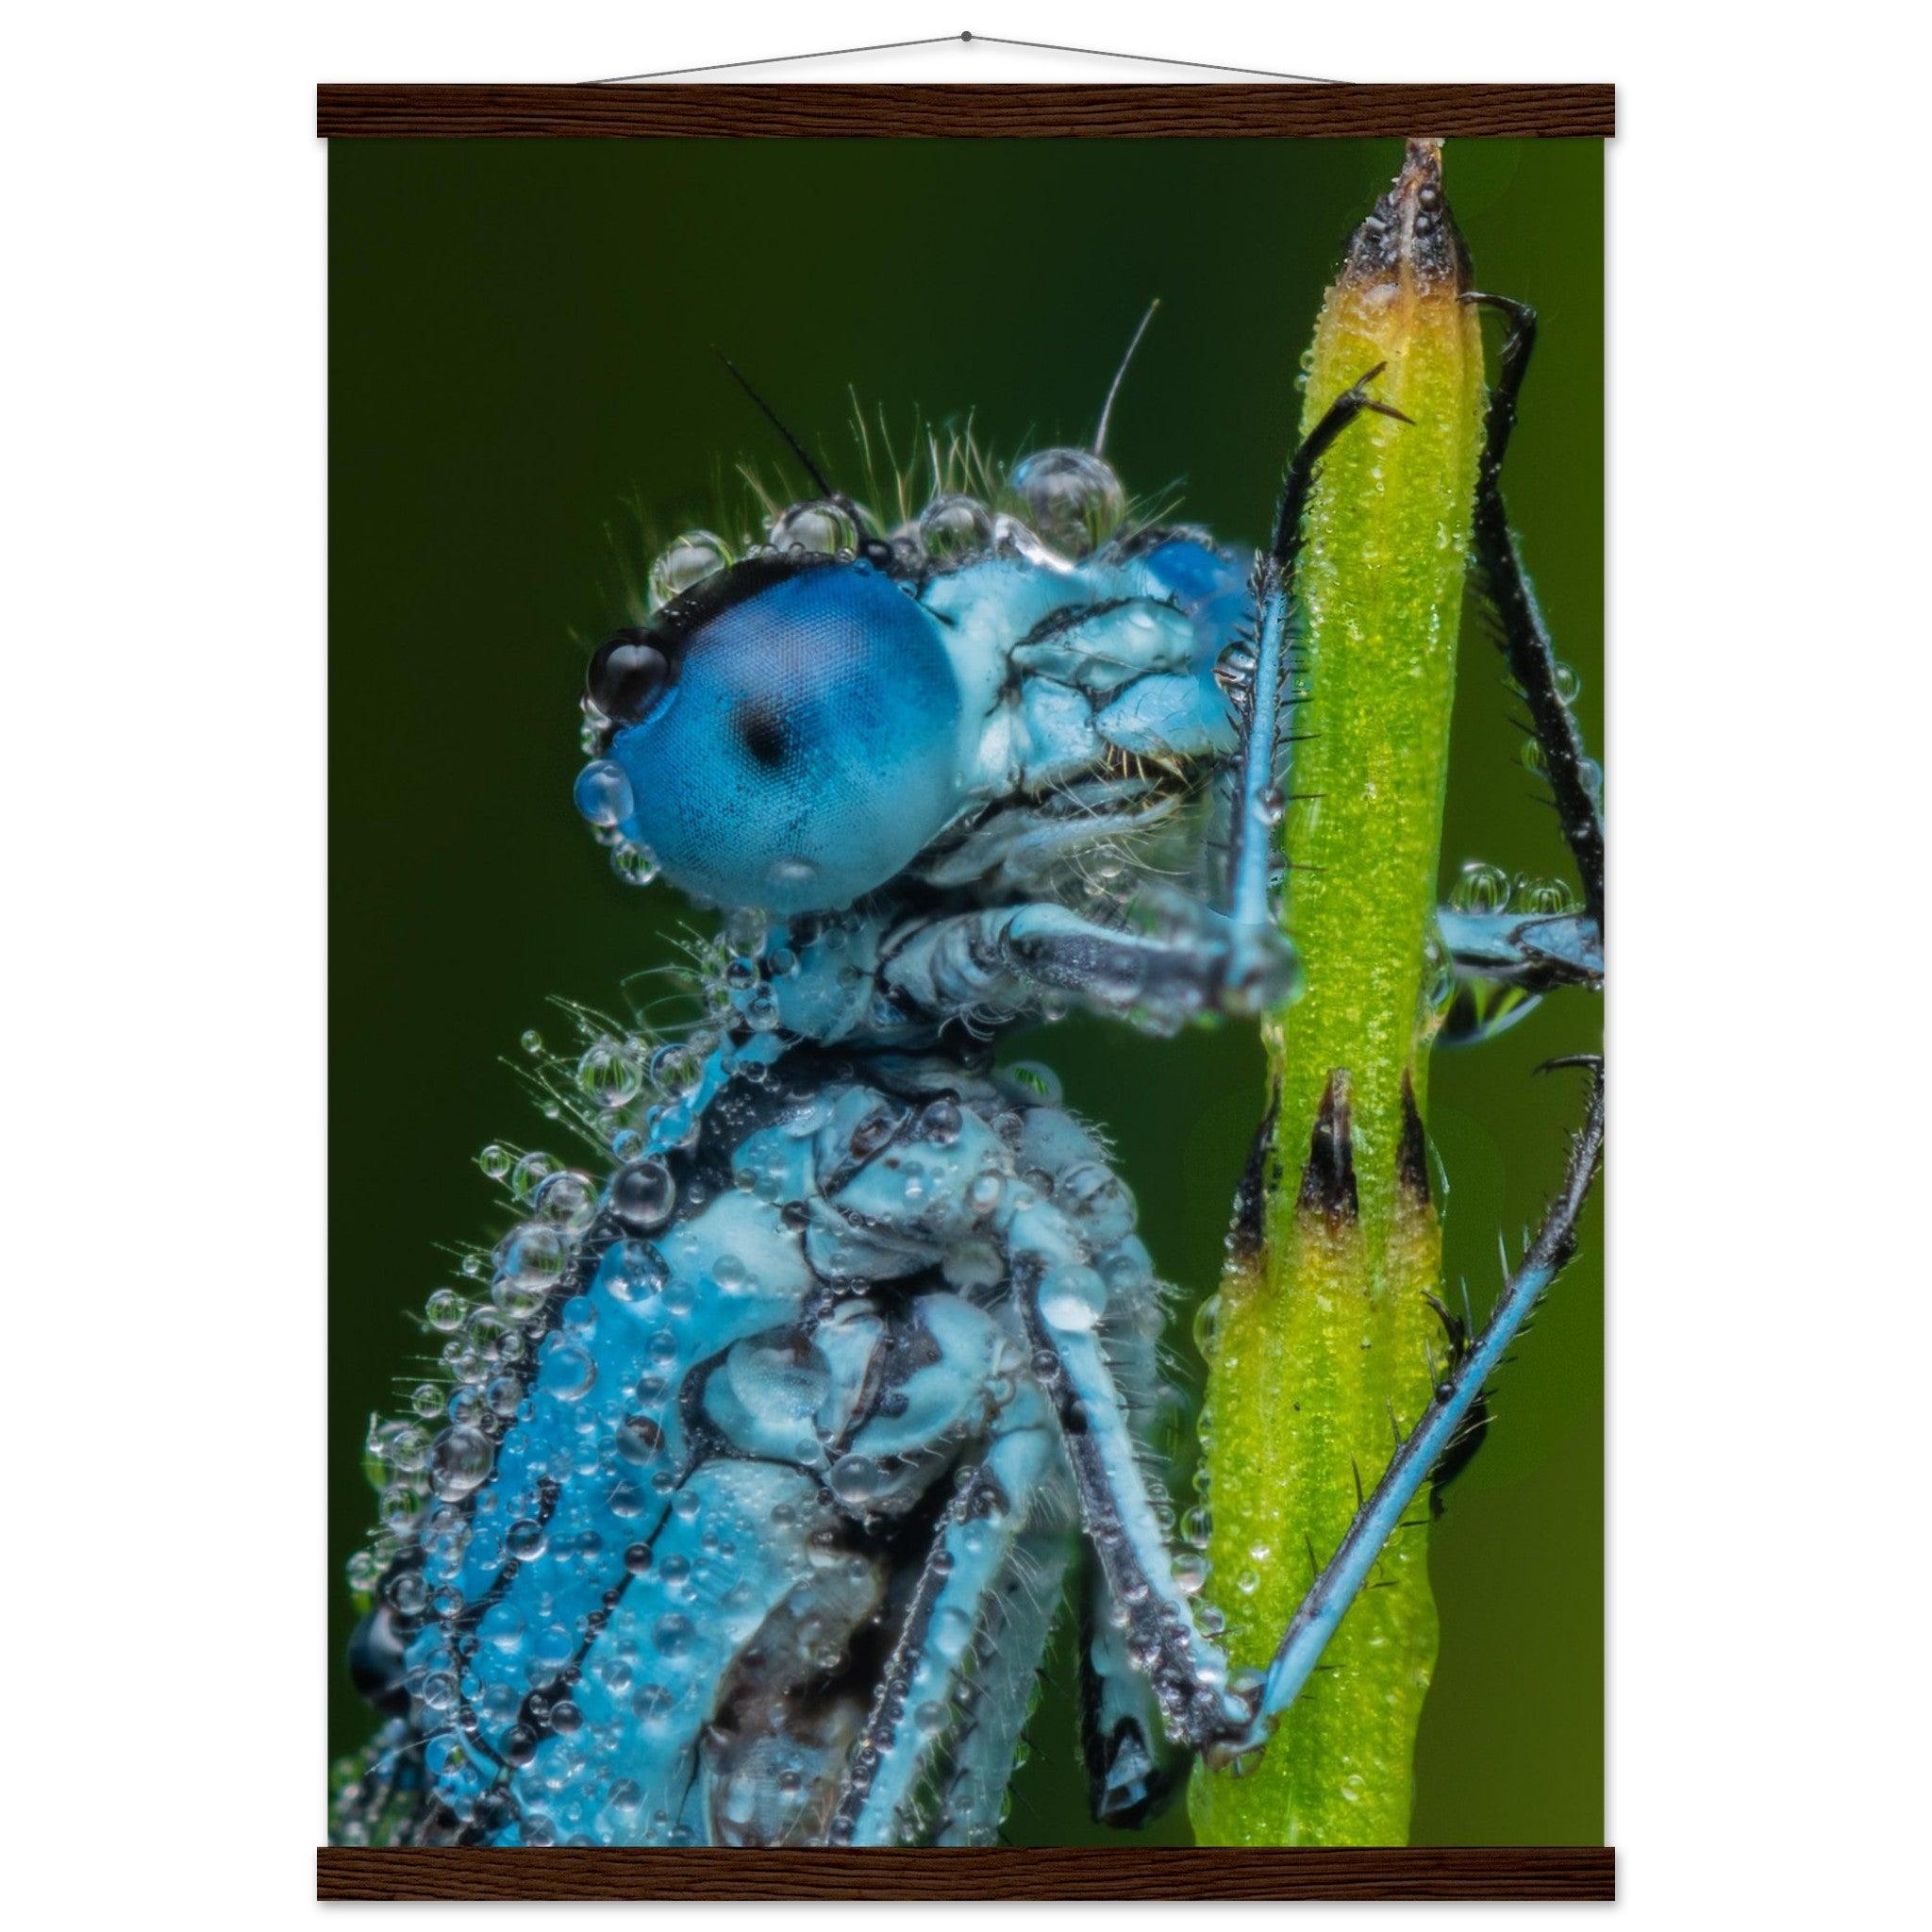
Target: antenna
[771, 416]
[1114, 387]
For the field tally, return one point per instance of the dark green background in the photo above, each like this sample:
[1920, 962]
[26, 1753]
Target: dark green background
[521, 341]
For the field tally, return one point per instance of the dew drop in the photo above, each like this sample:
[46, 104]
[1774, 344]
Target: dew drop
[636, 865]
[1480, 889]
[685, 560]
[444, 1312]
[823, 529]
[1207, 1326]
[953, 528]
[1547, 897]
[855, 1480]
[643, 1194]
[1071, 497]
[603, 792]
[1072, 1299]
[609, 1073]
[459, 1460]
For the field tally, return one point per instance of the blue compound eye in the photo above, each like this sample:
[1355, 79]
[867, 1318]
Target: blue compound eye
[785, 735]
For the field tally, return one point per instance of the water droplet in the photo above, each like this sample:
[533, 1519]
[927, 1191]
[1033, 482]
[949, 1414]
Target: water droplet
[530, 1258]
[824, 529]
[609, 1073]
[444, 1312]
[673, 1635]
[685, 560]
[566, 1201]
[1480, 889]
[951, 1633]
[636, 865]
[1548, 898]
[855, 1480]
[603, 792]
[459, 1460]
[401, 1507]
[1071, 497]
[675, 1069]
[534, 1167]
[643, 1194]
[568, 1372]
[953, 528]
[1073, 1298]
[1038, 1080]
[1207, 1327]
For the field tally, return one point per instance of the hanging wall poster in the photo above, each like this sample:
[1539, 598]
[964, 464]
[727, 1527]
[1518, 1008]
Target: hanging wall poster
[967, 937]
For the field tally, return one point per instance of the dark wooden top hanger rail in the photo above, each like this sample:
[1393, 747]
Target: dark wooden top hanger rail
[735, 111]
[1097, 1871]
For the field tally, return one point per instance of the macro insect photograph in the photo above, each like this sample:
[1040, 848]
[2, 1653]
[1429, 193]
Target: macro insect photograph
[966, 950]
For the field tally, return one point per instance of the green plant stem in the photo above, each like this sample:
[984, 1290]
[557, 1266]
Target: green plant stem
[1324, 1326]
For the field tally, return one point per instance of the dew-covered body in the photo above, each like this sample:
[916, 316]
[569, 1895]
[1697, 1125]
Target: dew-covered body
[823, 1398]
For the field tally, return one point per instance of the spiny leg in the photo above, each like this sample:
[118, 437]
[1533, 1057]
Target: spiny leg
[1342, 1577]
[1531, 949]
[964, 1566]
[1003, 1689]
[1133, 1767]
[1525, 639]
[1251, 847]
[1046, 1235]
[1006, 961]
[1132, 1770]
[1059, 1300]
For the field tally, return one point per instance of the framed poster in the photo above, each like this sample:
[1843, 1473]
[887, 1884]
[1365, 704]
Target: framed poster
[939, 703]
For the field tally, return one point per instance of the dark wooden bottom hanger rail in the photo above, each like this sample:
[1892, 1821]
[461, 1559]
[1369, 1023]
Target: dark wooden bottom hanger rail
[1472, 1871]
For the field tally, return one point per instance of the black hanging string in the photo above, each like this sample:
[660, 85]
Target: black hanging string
[957, 39]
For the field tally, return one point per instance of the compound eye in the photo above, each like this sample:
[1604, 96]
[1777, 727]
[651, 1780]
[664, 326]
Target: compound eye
[626, 674]
[800, 751]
